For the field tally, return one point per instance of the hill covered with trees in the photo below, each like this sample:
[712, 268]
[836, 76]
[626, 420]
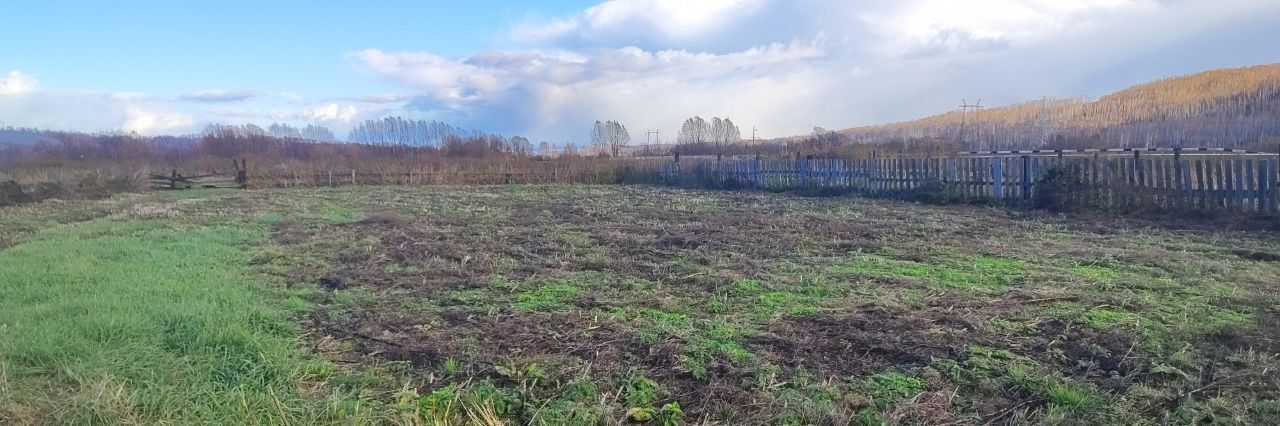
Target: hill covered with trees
[1238, 107]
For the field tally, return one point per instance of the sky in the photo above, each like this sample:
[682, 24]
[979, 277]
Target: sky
[547, 70]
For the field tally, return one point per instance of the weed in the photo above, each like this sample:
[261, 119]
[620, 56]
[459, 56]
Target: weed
[640, 391]
[548, 296]
[893, 386]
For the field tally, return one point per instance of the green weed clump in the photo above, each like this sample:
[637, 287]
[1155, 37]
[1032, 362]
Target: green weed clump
[548, 297]
[979, 273]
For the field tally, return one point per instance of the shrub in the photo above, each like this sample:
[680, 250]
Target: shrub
[1058, 190]
[626, 175]
[11, 193]
[47, 190]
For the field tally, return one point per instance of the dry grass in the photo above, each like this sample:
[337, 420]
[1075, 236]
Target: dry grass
[594, 304]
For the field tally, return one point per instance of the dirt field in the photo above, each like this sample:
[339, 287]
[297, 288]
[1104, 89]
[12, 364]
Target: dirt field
[585, 303]
[603, 304]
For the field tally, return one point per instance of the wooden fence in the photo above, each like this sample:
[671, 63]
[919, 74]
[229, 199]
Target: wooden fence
[465, 172]
[239, 178]
[1174, 180]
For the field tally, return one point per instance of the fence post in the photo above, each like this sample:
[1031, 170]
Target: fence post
[1252, 188]
[1179, 184]
[1138, 179]
[353, 176]
[1237, 184]
[1269, 177]
[1026, 178]
[997, 178]
[755, 171]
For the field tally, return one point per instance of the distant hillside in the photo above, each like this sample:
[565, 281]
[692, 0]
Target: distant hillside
[1228, 107]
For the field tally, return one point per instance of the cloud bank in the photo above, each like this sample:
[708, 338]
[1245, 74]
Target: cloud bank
[787, 66]
[781, 66]
[24, 104]
[219, 95]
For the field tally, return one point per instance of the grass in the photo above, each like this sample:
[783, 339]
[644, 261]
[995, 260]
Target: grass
[144, 321]
[986, 273]
[592, 304]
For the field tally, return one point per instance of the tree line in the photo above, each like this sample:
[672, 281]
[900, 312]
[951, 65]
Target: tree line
[696, 137]
[1220, 108]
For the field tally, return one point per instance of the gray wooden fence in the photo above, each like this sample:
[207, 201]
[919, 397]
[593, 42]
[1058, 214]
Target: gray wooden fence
[1234, 182]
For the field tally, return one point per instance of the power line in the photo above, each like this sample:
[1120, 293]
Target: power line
[964, 110]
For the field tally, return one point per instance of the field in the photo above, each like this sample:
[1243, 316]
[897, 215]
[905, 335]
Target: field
[616, 304]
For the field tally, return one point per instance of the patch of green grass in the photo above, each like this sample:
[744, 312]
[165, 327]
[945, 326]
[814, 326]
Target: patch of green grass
[888, 387]
[1069, 396]
[981, 273]
[912, 298]
[1098, 274]
[146, 321]
[640, 391]
[702, 340]
[1104, 319]
[806, 401]
[549, 296]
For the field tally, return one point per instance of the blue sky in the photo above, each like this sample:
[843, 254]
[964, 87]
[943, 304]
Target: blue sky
[548, 69]
[298, 46]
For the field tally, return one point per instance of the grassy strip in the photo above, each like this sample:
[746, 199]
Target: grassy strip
[146, 321]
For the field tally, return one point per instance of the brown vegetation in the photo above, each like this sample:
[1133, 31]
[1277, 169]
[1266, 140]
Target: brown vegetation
[1220, 108]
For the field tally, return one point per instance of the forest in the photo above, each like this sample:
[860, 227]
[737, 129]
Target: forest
[1220, 108]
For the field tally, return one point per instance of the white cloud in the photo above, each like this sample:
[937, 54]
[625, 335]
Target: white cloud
[933, 25]
[385, 98]
[219, 95]
[154, 115]
[790, 65]
[329, 112]
[150, 121]
[668, 20]
[549, 91]
[17, 83]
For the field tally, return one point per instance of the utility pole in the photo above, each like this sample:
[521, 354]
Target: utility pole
[657, 133]
[964, 109]
[1043, 122]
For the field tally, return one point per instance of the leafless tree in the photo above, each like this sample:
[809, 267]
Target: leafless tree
[610, 135]
[694, 131]
[520, 145]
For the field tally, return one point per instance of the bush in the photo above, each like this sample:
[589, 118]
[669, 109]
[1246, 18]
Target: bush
[94, 187]
[706, 176]
[935, 192]
[11, 193]
[1058, 190]
[47, 190]
[626, 175]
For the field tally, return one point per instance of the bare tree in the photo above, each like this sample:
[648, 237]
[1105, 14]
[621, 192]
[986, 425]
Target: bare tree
[697, 132]
[520, 145]
[618, 137]
[732, 134]
[599, 136]
[610, 135]
[693, 131]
